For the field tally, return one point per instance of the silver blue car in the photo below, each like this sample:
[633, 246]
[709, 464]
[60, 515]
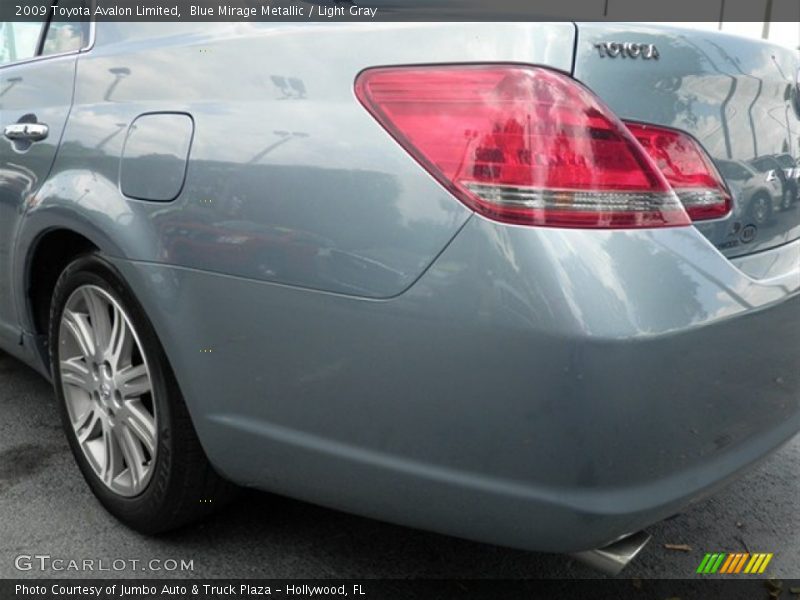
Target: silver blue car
[533, 284]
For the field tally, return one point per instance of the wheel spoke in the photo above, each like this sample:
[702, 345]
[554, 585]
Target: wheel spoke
[75, 372]
[142, 424]
[120, 340]
[113, 457]
[133, 382]
[81, 331]
[97, 308]
[132, 452]
[86, 425]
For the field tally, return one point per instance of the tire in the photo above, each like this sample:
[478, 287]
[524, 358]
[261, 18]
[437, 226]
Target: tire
[761, 209]
[138, 449]
[788, 198]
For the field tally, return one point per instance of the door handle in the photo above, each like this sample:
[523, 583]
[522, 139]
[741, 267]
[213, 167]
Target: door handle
[27, 132]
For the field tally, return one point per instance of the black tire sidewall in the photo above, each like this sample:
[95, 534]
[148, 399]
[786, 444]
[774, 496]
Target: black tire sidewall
[786, 202]
[137, 510]
[767, 213]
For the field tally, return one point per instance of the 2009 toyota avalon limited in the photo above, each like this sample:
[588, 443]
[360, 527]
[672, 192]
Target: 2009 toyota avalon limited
[531, 284]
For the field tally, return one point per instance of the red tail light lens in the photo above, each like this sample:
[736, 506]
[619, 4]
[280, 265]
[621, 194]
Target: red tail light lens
[687, 168]
[522, 145]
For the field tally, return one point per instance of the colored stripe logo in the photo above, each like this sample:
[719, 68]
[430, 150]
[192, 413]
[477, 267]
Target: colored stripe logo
[725, 563]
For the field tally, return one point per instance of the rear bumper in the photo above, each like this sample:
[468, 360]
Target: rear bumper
[543, 389]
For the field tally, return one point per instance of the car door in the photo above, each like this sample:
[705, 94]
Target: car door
[37, 74]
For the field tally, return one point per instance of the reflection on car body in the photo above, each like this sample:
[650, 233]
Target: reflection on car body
[511, 290]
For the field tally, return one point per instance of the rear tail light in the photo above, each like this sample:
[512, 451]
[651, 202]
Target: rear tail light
[522, 145]
[687, 168]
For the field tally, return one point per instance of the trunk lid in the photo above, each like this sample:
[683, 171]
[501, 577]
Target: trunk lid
[736, 96]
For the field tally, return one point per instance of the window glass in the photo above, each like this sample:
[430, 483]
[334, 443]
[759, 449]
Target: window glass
[733, 171]
[786, 34]
[751, 29]
[65, 36]
[18, 41]
[786, 28]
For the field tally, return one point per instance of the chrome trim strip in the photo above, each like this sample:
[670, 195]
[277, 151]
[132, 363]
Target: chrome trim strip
[579, 200]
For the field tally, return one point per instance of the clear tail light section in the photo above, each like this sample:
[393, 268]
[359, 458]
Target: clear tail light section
[688, 169]
[523, 145]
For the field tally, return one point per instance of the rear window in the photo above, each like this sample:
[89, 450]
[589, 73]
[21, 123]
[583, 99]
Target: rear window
[733, 171]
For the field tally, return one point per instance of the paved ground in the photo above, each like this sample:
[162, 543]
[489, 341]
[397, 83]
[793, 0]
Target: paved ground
[45, 508]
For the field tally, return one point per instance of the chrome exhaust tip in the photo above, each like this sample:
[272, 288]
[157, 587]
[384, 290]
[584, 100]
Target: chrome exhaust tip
[613, 558]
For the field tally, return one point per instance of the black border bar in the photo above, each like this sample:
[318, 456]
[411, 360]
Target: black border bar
[412, 10]
[741, 588]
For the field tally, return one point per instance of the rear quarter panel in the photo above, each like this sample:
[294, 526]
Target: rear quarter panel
[289, 180]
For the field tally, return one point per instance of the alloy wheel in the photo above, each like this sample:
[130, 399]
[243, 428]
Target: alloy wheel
[108, 390]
